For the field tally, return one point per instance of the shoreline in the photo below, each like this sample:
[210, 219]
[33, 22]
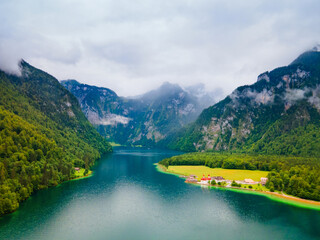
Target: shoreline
[73, 179]
[283, 198]
[82, 177]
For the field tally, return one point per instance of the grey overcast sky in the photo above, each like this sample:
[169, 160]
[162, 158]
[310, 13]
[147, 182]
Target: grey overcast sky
[134, 46]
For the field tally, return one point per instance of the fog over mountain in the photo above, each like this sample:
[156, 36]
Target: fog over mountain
[134, 46]
[278, 114]
[141, 120]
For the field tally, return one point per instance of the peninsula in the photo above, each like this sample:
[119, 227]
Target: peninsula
[263, 177]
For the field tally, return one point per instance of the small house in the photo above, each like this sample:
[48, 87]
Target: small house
[218, 179]
[191, 180]
[205, 180]
[249, 181]
[77, 169]
[263, 180]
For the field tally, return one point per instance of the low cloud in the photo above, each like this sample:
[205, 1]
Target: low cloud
[264, 97]
[293, 95]
[135, 46]
[113, 119]
[314, 99]
[107, 119]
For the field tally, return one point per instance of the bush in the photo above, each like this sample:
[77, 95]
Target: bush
[234, 184]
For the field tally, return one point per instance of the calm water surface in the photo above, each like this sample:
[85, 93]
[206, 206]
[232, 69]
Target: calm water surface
[128, 199]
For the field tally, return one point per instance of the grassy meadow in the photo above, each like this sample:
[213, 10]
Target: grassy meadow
[230, 174]
[80, 173]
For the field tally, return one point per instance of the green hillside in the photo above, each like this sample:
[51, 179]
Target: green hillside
[43, 135]
[279, 114]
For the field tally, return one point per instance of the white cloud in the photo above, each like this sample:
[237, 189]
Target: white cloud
[293, 95]
[134, 46]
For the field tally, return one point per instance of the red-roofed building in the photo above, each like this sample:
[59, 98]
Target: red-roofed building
[205, 180]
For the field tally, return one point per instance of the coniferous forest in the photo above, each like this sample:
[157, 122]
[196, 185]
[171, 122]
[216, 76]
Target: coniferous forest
[43, 135]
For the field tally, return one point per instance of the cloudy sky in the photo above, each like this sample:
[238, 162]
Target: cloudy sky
[134, 46]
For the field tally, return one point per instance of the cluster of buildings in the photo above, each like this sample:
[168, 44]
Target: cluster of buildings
[207, 180]
[204, 180]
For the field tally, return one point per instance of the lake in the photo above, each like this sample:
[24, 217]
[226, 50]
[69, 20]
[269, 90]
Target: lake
[127, 198]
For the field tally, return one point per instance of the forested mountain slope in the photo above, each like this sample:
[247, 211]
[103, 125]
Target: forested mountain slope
[142, 120]
[279, 114]
[43, 135]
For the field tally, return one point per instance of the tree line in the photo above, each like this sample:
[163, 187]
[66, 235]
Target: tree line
[297, 176]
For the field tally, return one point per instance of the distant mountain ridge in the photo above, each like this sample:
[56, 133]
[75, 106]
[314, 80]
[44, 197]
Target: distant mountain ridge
[142, 120]
[279, 114]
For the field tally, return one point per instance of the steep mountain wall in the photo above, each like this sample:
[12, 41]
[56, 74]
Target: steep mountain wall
[279, 114]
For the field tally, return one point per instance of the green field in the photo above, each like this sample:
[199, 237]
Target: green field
[230, 174]
[80, 173]
[113, 144]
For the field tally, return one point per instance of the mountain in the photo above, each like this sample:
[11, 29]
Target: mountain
[278, 114]
[141, 120]
[205, 98]
[43, 135]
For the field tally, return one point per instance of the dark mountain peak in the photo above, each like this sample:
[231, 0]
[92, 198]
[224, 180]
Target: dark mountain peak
[73, 85]
[167, 86]
[70, 81]
[25, 66]
[36, 75]
[165, 90]
[264, 76]
[22, 62]
[316, 48]
[309, 58]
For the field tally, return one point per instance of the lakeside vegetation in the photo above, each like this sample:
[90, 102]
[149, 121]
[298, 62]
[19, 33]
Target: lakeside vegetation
[114, 144]
[255, 189]
[296, 176]
[82, 173]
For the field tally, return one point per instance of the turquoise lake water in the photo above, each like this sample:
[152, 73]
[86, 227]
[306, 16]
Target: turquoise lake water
[127, 198]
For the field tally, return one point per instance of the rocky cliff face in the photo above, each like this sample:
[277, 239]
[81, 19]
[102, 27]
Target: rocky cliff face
[142, 120]
[287, 97]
